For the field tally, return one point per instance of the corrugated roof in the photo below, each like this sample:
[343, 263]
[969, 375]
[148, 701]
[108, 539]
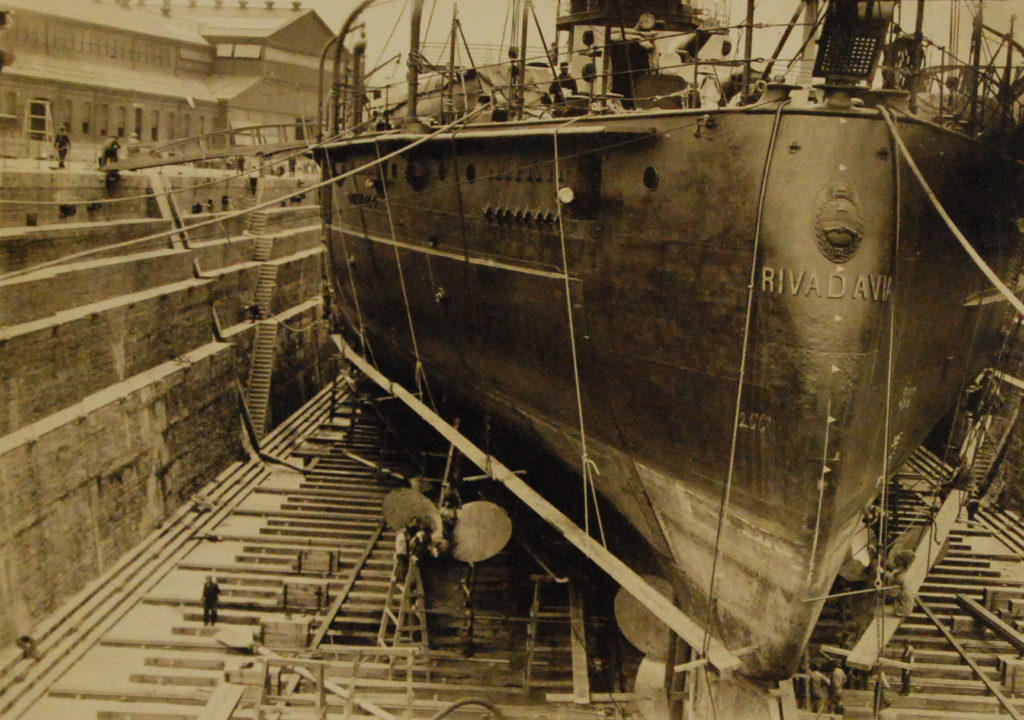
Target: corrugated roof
[99, 74]
[110, 75]
[103, 12]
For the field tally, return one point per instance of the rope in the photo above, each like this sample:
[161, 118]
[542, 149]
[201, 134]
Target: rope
[883, 516]
[260, 206]
[589, 467]
[968, 248]
[727, 488]
[821, 484]
[361, 329]
[420, 374]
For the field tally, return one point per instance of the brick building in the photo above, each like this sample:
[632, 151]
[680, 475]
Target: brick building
[162, 70]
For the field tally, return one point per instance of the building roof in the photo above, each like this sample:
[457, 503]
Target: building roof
[133, 19]
[184, 22]
[227, 87]
[253, 22]
[111, 75]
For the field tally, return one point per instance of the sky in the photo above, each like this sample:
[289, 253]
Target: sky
[484, 23]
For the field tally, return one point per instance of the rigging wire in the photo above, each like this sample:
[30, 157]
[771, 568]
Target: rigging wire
[589, 467]
[259, 206]
[881, 554]
[421, 376]
[391, 34]
[727, 486]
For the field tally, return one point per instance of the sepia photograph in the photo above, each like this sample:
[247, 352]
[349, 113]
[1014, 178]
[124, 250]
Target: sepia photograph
[515, 359]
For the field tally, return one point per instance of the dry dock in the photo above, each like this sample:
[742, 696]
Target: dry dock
[304, 563]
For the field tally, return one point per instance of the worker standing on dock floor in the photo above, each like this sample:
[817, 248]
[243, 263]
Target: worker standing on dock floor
[211, 596]
[62, 143]
[908, 658]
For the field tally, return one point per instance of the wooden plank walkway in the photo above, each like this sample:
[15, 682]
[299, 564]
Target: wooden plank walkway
[303, 562]
[981, 566]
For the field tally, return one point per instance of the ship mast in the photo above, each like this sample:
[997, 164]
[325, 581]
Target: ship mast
[811, 9]
[413, 75]
[748, 50]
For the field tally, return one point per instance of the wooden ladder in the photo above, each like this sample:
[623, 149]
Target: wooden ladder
[395, 628]
[264, 349]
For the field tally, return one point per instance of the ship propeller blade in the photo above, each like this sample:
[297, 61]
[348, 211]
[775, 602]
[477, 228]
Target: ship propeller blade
[481, 530]
[406, 506]
[641, 627]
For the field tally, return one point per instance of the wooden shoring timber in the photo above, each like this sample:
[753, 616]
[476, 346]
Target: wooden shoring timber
[691, 631]
[578, 641]
[303, 669]
[342, 595]
[982, 675]
[223, 701]
[992, 621]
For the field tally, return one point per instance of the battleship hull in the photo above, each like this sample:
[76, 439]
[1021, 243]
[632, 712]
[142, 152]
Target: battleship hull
[736, 281]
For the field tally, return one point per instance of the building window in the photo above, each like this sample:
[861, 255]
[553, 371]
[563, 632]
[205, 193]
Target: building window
[67, 114]
[202, 125]
[10, 104]
[138, 122]
[186, 120]
[170, 127]
[38, 115]
[122, 121]
[154, 131]
[103, 121]
[248, 51]
[86, 117]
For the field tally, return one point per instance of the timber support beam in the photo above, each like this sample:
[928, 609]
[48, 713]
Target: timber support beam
[690, 630]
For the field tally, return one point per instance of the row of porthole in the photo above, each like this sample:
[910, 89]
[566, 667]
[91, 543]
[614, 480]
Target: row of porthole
[415, 170]
[650, 177]
[519, 216]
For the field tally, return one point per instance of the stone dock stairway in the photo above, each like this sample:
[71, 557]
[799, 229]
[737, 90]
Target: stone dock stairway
[303, 560]
[981, 566]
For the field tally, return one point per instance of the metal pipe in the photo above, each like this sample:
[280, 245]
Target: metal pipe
[336, 70]
[413, 75]
[521, 93]
[917, 58]
[358, 91]
[748, 50]
[975, 121]
[451, 68]
[321, 120]
[1007, 89]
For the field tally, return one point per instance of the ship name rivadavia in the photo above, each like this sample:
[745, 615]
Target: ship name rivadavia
[808, 283]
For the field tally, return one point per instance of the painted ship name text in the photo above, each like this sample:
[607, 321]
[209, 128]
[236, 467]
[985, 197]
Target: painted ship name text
[808, 283]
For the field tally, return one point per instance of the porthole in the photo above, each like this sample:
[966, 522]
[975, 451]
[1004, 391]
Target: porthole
[471, 172]
[650, 178]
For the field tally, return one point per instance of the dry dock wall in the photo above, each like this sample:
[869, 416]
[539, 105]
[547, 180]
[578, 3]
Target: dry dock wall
[119, 373]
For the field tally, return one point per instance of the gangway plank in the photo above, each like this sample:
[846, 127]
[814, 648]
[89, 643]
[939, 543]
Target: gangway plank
[878, 634]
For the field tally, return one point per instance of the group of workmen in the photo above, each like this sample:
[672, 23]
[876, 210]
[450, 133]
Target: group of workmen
[108, 151]
[819, 686]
